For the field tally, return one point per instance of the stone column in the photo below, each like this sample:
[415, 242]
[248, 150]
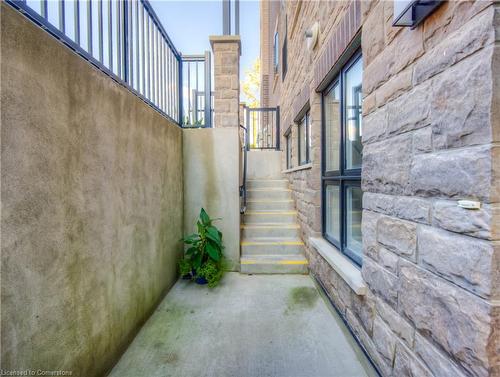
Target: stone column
[226, 50]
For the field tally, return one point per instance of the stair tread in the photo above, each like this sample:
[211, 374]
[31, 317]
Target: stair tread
[272, 240]
[270, 225]
[267, 189]
[273, 259]
[271, 212]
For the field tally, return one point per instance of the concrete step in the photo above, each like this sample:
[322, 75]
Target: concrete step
[269, 230]
[269, 194]
[282, 217]
[272, 246]
[273, 264]
[267, 183]
[270, 205]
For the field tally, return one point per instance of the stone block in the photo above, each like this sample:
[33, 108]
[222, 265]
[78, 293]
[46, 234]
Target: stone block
[398, 236]
[422, 140]
[412, 208]
[375, 125]
[455, 319]
[375, 39]
[462, 260]
[406, 364]
[461, 109]
[369, 231]
[396, 323]
[384, 340]
[470, 38]
[380, 281]
[397, 85]
[435, 360]
[448, 215]
[386, 165]
[381, 203]
[388, 260]
[410, 111]
[455, 173]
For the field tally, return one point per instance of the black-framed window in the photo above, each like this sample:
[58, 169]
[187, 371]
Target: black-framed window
[304, 139]
[288, 139]
[276, 52]
[342, 154]
[284, 51]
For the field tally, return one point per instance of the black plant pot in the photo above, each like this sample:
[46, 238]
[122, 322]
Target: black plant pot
[201, 280]
[188, 276]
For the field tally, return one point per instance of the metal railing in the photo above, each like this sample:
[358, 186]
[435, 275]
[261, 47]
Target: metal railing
[197, 91]
[243, 186]
[123, 38]
[263, 127]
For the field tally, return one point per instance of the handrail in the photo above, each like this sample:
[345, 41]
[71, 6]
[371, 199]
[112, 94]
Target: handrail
[128, 43]
[243, 188]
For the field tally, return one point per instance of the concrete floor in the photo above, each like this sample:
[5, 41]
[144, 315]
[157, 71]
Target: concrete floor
[260, 325]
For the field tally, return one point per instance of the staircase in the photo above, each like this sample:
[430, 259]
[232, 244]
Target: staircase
[270, 234]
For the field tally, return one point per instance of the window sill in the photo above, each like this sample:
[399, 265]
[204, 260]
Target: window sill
[341, 264]
[297, 168]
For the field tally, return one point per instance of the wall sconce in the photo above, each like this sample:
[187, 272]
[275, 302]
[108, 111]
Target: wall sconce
[411, 13]
[312, 36]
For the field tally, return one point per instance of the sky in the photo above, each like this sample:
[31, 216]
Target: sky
[190, 23]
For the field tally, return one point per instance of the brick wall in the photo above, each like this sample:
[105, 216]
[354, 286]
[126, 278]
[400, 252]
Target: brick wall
[430, 134]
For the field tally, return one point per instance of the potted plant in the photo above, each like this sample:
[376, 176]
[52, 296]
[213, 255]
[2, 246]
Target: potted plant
[204, 259]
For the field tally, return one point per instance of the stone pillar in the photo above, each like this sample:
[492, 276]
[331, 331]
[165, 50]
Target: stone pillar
[226, 50]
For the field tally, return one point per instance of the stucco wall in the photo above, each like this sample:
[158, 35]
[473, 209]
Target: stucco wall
[211, 181]
[430, 135]
[92, 207]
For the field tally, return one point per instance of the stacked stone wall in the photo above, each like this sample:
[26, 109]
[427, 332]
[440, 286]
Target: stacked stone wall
[430, 134]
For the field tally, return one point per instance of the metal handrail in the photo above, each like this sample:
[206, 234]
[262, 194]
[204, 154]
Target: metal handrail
[136, 52]
[243, 188]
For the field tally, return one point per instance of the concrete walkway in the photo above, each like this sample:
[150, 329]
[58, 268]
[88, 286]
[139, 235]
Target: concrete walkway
[264, 325]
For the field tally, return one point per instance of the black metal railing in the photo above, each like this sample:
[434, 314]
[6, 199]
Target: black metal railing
[243, 186]
[198, 95]
[126, 40]
[263, 127]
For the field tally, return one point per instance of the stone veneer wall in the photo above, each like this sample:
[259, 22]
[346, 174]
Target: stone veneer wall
[430, 133]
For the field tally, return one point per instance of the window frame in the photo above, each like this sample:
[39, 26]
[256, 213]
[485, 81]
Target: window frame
[284, 52]
[288, 146]
[276, 58]
[307, 142]
[342, 177]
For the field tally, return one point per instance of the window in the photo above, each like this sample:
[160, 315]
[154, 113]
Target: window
[284, 51]
[342, 154]
[276, 52]
[304, 137]
[288, 137]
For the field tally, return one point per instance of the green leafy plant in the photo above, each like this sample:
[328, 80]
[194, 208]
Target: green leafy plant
[205, 252]
[185, 267]
[211, 271]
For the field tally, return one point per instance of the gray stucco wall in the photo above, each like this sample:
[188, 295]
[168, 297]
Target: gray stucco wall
[211, 177]
[92, 207]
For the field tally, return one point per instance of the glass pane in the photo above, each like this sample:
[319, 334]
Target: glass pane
[332, 128]
[332, 212]
[289, 151]
[353, 102]
[354, 209]
[302, 141]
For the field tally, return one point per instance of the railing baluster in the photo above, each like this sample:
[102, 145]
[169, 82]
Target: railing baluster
[148, 52]
[44, 9]
[62, 17]
[137, 71]
[100, 31]
[110, 35]
[89, 27]
[77, 22]
[143, 54]
[119, 36]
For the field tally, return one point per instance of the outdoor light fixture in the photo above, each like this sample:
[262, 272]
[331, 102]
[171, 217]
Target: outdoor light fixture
[312, 36]
[411, 13]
